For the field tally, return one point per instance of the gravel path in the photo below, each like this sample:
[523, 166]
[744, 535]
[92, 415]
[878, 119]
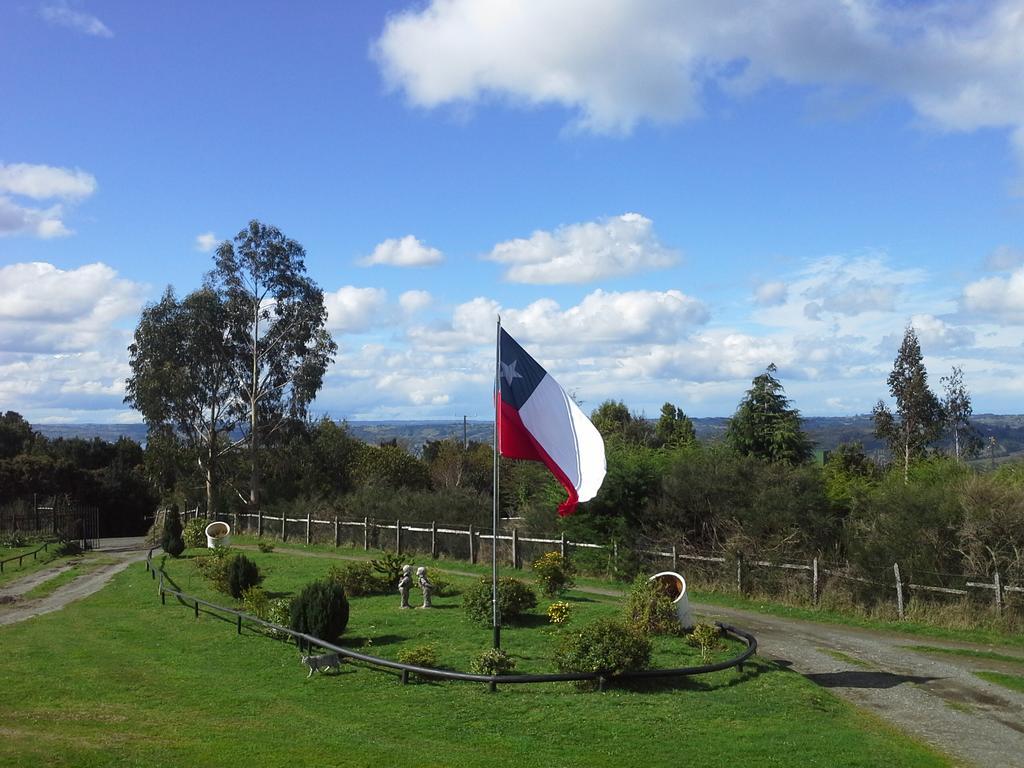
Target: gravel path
[935, 698]
[125, 551]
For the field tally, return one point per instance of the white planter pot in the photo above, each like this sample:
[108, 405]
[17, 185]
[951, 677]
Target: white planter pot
[675, 587]
[217, 534]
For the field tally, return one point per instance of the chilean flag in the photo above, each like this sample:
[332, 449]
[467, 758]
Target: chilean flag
[538, 421]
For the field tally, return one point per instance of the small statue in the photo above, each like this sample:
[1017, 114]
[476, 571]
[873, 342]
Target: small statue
[404, 584]
[425, 585]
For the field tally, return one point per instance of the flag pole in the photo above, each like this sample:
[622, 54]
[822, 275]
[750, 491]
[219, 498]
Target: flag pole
[496, 616]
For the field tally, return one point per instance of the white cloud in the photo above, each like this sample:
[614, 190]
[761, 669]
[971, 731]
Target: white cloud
[619, 62]
[206, 242]
[999, 297]
[45, 181]
[39, 182]
[581, 253]
[404, 252]
[61, 14]
[44, 309]
[1005, 257]
[935, 335]
[353, 310]
[414, 301]
[770, 294]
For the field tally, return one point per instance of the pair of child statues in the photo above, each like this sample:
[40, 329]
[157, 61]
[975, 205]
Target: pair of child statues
[405, 583]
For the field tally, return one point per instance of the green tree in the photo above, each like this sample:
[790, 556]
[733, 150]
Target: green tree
[765, 425]
[182, 381]
[615, 422]
[918, 419]
[16, 435]
[280, 346]
[674, 427]
[956, 409]
[170, 539]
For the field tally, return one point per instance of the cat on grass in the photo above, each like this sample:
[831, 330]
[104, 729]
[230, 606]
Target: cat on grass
[322, 662]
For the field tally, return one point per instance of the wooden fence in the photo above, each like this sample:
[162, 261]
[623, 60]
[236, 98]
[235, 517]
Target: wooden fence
[466, 541]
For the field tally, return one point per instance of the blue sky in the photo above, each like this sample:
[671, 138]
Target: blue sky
[660, 198]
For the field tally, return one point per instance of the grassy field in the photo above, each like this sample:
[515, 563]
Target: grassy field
[13, 571]
[119, 679]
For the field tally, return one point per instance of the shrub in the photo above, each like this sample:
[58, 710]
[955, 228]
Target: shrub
[493, 661]
[554, 572]
[704, 636]
[389, 567]
[559, 612]
[266, 547]
[358, 579]
[242, 573]
[66, 548]
[194, 532]
[256, 603]
[14, 540]
[170, 540]
[214, 567]
[606, 646]
[650, 610]
[514, 598]
[419, 656]
[321, 610]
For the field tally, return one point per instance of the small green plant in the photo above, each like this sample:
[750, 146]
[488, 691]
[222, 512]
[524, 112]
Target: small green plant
[320, 610]
[607, 646]
[214, 567]
[242, 573]
[419, 656]
[704, 636]
[67, 548]
[554, 573]
[266, 547]
[171, 540]
[14, 540]
[256, 603]
[358, 579]
[650, 610]
[559, 612]
[514, 599]
[389, 567]
[493, 661]
[194, 532]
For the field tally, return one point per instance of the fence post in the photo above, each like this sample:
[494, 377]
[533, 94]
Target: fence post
[999, 594]
[284, 528]
[899, 590]
[739, 572]
[562, 548]
[337, 527]
[814, 581]
[472, 547]
[309, 520]
[615, 554]
[35, 509]
[675, 559]
[366, 533]
[433, 539]
[515, 548]
[259, 522]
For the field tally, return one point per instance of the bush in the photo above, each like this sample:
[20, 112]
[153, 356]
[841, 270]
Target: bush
[606, 646]
[321, 610]
[266, 547]
[242, 573]
[514, 598]
[359, 579]
[419, 656]
[704, 636]
[66, 548]
[554, 572]
[170, 540]
[493, 661]
[389, 568]
[214, 567]
[559, 613]
[256, 603]
[194, 532]
[650, 610]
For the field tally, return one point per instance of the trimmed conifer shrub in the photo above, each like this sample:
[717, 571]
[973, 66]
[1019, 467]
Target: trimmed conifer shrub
[320, 610]
[242, 573]
[606, 646]
[171, 541]
[514, 598]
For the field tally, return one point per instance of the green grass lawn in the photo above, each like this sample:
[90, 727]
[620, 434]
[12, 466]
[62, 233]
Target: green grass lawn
[29, 565]
[1013, 682]
[119, 679]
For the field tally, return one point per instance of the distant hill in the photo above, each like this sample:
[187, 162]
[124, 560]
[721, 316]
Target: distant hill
[827, 432]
